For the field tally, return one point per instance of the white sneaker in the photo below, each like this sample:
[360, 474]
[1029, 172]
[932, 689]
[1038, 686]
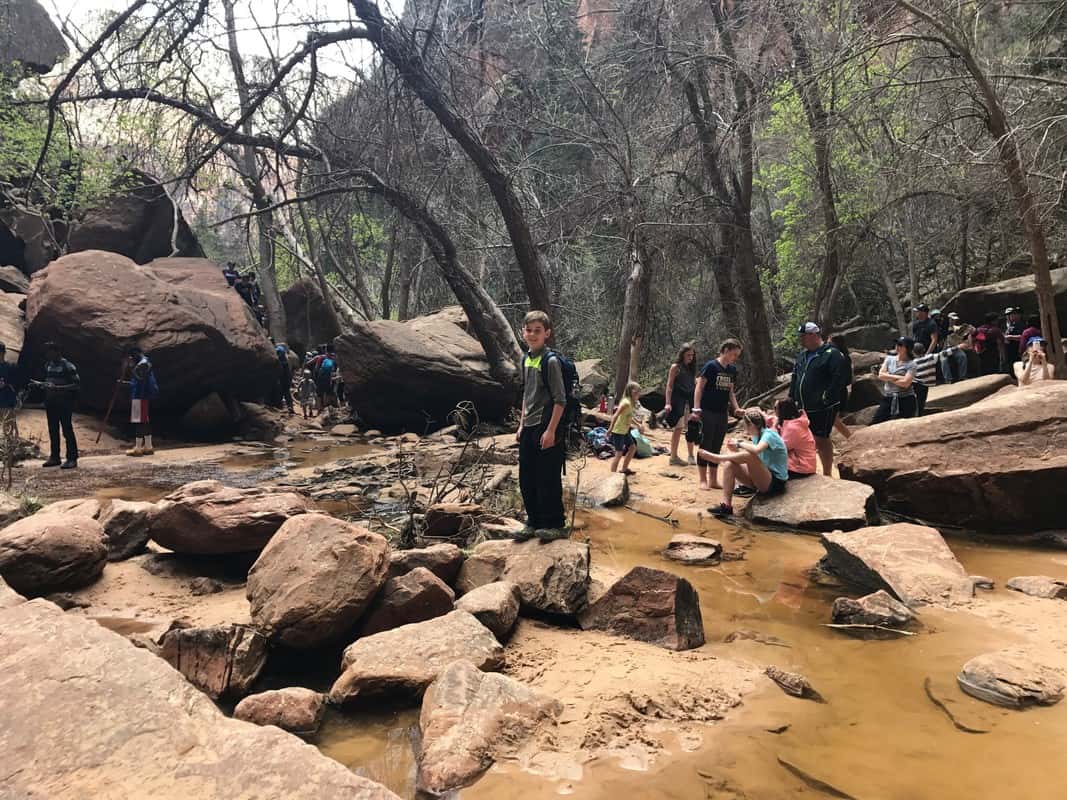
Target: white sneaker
[692, 461]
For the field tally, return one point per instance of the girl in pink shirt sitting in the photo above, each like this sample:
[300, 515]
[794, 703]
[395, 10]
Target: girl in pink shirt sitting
[792, 425]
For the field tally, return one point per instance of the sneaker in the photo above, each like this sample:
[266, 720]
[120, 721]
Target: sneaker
[744, 491]
[68, 464]
[679, 462]
[692, 461]
[147, 451]
[52, 462]
[721, 510]
[525, 534]
[135, 451]
[551, 534]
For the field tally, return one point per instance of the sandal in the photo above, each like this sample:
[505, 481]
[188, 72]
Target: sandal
[628, 472]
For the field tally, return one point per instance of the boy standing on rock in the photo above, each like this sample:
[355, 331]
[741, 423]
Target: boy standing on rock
[61, 383]
[541, 454]
[143, 389]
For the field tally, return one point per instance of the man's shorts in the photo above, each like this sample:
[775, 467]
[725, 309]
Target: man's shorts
[822, 422]
[713, 432]
[139, 412]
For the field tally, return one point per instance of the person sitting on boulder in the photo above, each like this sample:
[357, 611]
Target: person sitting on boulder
[960, 341]
[681, 384]
[792, 425]
[143, 389]
[244, 288]
[229, 272]
[760, 462]
[61, 384]
[925, 376]
[1034, 367]
[1031, 331]
[898, 375]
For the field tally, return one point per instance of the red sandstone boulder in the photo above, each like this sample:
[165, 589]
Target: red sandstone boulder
[51, 552]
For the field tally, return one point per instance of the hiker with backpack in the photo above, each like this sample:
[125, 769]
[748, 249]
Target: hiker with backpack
[542, 431]
[324, 379]
[143, 390]
[61, 384]
[989, 344]
[820, 374]
[681, 387]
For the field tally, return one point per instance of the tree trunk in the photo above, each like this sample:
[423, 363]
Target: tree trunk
[407, 272]
[894, 301]
[996, 120]
[387, 275]
[250, 174]
[759, 351]
[398, 47]
[635, 312]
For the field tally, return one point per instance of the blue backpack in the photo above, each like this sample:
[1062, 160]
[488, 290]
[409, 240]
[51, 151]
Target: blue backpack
[326, 368]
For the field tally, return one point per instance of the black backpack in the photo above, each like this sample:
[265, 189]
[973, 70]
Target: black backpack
[572, 412]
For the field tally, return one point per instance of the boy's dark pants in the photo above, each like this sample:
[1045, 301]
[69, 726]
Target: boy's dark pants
[541, 479]
[921, 390]
[59, 411]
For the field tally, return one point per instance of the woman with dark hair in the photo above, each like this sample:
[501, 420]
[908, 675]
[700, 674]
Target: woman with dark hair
[681, 383]
[760, 462]
[898, 375]
[838, 341]
[792, 425]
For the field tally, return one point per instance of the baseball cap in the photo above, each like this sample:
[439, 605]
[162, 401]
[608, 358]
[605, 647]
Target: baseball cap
[809, 327]
[907, 341]
[953, 315]
[922, 307]
[1011, 310]
[934, 312]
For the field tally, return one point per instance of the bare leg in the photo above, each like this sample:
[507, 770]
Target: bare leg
[676, 437]
[615, 461]
[826, 453]
[842, 428]
[629, 457]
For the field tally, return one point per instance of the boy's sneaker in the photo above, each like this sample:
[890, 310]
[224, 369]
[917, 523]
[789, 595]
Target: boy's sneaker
[525, 534]
[69, 464]
[551, 534]
[744, 491]
[721, 510]
[52, 462]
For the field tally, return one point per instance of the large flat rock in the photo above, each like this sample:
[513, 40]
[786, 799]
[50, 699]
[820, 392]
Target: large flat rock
[1013, 678]
[816, 503]
[911, 562]
[999, 465]
[86, 714]
[954, 396]
[405, 660]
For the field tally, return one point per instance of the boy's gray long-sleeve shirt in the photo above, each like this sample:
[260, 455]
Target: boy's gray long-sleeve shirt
[536, 397]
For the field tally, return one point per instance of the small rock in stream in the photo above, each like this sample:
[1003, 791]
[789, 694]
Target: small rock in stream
[793, 684]
[982, 582]
[1012, 678]
[877, 610]
[1039, 586]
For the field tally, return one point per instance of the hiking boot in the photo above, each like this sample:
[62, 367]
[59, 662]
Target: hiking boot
[551, 534]
[69, 464]
[147, 451]
[525, 534]
[135, 451]
[52, 462]
[721, 510]
[679, 462]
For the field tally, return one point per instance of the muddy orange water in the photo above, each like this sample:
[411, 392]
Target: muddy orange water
[877, 737]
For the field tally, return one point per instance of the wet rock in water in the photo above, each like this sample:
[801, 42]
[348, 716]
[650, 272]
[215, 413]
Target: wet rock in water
[8, 596]
[78, 507]
[963, 394]
[294, 709]
[406, 660]
[793, 684]
[207, 518]
[443, 366]
[51, 552]
[553, 577]
[202, 334]
[315, 579]
[344, 429]
[695, 550]
[911, 562]
[126, 526]
[446, 520]
[1011, 678]
[1039, 586]
[443, 560]
[221, 661]
[415, 596]
[614, 490]
[982, 582]
[816, 503]
[879, 608]
[1003, 470]
[469, 719]
[84, 709]
[495, 605]
[649, 605]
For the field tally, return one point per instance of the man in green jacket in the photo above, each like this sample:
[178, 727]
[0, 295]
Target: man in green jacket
[819, 375]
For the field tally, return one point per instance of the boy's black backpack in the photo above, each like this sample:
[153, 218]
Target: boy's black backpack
[572, 412]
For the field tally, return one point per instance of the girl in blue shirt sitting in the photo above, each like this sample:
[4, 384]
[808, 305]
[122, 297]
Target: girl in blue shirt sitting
[761, 462]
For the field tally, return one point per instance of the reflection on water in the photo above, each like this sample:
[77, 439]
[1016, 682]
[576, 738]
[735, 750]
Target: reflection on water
[879, 736]
[379, 745]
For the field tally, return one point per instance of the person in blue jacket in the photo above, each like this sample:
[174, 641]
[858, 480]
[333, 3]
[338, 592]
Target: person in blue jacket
[143, 390]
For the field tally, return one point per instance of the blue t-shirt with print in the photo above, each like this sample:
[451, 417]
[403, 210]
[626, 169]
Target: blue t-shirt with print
[775, 457]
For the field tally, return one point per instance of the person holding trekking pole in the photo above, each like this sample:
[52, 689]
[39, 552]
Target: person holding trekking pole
[60, 386]
[143, 389]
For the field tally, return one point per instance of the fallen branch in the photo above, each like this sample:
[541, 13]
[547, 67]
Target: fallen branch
[815, 783]
[667, 519]
[960, 726]
[857, 626]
